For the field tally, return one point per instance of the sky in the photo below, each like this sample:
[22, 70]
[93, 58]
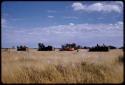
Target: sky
[55, 23]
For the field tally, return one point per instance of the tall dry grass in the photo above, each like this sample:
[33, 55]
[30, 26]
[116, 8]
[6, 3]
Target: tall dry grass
[62, 67]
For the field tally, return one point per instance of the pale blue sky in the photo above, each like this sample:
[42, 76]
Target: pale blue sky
[56, 23]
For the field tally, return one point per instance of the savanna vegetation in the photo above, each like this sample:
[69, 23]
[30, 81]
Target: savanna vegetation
[62, 66]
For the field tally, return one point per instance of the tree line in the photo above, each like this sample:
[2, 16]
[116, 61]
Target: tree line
[69, 47]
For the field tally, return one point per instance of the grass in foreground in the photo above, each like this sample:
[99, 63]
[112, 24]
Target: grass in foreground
[72, 73]
[63, 67]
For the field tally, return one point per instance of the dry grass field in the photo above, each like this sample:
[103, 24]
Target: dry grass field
[61, 66]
